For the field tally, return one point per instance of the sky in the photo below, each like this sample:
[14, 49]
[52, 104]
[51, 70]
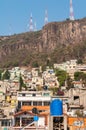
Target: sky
[15, 14]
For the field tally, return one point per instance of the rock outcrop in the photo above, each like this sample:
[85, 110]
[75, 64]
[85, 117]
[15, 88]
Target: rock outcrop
[45, 40]
[68, 32]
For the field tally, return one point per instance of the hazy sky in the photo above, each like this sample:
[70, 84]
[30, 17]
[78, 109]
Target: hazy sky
[15, 14]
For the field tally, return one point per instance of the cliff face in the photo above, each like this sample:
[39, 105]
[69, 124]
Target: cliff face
[68, 32]
[43, 41]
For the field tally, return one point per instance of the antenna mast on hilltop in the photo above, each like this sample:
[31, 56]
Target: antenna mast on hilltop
[10, 30]
[46, 17]
[71, 11]
[31, 24]
[35, 29]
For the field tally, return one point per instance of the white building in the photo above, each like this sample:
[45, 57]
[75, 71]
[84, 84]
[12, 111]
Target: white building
[27, 101]
[68, 66]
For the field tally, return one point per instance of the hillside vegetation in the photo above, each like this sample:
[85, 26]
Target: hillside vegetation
[55, 43]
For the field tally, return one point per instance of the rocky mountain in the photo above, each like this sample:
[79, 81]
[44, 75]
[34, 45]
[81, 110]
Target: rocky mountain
[56, 42]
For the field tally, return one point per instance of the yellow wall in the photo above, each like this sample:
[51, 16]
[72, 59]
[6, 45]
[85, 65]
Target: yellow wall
[8, 99]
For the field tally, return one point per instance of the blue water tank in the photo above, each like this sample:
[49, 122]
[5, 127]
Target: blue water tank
[56, 107]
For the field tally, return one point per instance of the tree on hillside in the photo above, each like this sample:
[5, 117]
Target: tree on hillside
[6, 75]
[78, 76]
[79, 61]
[69, 82]
[64, 78]
[35, 64]
[21, 84]
[61, 75]
[1, 74]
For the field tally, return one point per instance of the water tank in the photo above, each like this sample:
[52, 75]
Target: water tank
[56, 107]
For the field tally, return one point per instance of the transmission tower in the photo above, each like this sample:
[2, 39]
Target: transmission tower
[71, 11]
[10, 30]
[46, 17]
[31, 24]
[35, 29]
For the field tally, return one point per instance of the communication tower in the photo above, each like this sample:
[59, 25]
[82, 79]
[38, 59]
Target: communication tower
[31, 24]
[71, 11]
[35, 28]
[10, 30]
[46, 17]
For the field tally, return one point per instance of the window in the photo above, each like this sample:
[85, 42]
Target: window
[26, 103]
[5, 123]
[46, 94]
[17, 121]
[39, 103]
[34, 103]
[33, 94]
[26, 121]
[19, 104]
[46, 103]
[23, 94]
[29, 103]
[58, 123]
[76, 97]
